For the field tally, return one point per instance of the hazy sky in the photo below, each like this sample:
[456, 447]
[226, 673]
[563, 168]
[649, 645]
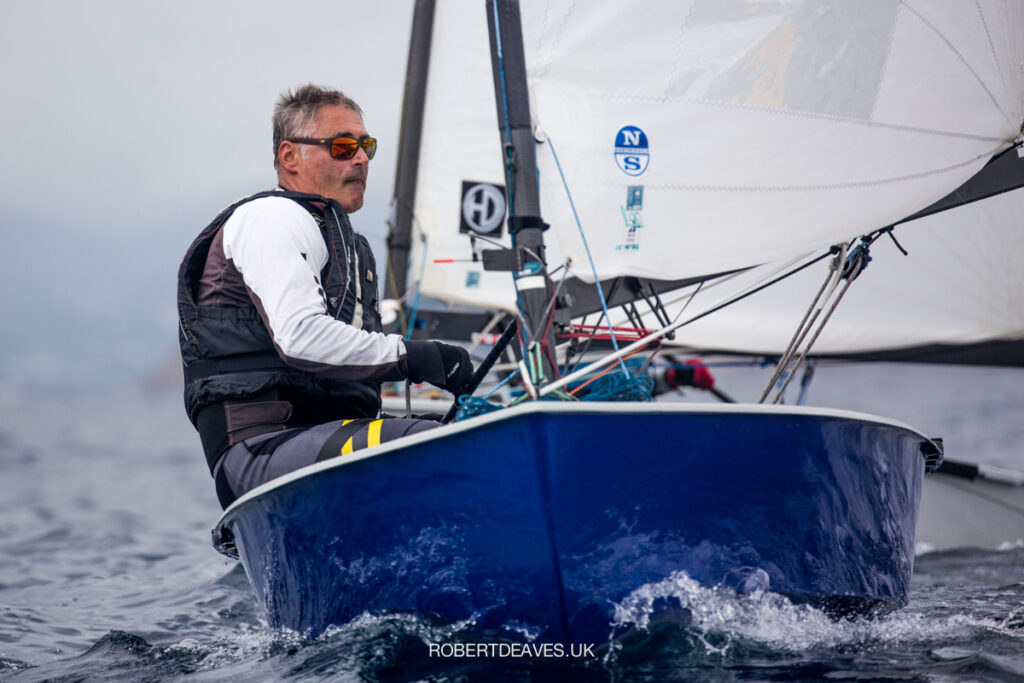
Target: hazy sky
[130, 125]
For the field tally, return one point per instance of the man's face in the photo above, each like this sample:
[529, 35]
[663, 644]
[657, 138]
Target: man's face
[318, 172]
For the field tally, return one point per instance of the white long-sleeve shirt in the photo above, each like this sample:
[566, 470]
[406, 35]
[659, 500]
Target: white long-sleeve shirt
[277, 248]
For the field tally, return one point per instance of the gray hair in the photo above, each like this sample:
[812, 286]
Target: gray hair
[296, 110]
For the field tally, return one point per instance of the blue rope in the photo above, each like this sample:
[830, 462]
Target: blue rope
[472, 406]
[607, 388]
[502, 383]
[620, 388]
[586, 246]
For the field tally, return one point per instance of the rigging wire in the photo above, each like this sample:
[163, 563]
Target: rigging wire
[655, 335]
[489, 240]
[689, 300]
[585, 345]
[419, 288]
[586, 246]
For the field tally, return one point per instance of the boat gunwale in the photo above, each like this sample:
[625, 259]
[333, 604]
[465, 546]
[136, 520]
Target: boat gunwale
[550, 407]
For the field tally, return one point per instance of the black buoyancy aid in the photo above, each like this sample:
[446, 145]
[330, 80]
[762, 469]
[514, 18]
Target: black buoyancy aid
[227, 352]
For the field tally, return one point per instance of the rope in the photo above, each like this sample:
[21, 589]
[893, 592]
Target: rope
[582, 349]
[808, 320]
[586, 246]
[484, 367]
[608, 369]
[642, 343]
[621, 388]
[803, 354]
[851, 267]
[472, 406]
[502, 383]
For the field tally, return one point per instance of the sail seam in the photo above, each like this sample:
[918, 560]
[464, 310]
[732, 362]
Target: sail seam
[678, 50]
[991, 45]
[831, 118]
[960, 56]
[809, 188]
[543, 27]
[544, 64]
[885, 64]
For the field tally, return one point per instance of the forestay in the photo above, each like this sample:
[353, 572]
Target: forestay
[699, 137]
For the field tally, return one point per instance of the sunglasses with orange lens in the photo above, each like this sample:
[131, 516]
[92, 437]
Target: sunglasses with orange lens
[343, 148]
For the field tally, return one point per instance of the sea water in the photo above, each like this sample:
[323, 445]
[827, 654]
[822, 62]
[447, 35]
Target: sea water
[107, 571]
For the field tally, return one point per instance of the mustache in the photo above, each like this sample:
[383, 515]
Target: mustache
[356, 174]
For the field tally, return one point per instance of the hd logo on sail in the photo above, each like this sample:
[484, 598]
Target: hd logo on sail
[631, 151]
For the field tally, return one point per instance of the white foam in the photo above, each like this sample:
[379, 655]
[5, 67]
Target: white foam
[773, 621]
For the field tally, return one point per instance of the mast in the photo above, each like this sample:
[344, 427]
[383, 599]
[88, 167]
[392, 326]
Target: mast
[417, 68]
[524, 224]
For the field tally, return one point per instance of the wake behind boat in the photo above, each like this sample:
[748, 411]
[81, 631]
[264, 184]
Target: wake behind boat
[726, 139]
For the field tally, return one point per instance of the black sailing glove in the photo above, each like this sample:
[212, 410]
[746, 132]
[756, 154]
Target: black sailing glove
[444, 365]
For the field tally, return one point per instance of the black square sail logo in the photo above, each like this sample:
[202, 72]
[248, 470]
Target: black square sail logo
[483, 208]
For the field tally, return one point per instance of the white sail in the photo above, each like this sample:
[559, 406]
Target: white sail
[460, 145]
[961, 283]
[699, 137]
[771, 128]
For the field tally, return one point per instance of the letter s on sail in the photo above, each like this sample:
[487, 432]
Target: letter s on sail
[632, 152]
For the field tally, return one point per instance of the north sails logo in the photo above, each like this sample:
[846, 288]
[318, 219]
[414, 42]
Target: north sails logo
[632, 153]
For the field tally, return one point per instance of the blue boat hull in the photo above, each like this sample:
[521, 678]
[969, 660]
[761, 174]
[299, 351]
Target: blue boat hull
[542, 517]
